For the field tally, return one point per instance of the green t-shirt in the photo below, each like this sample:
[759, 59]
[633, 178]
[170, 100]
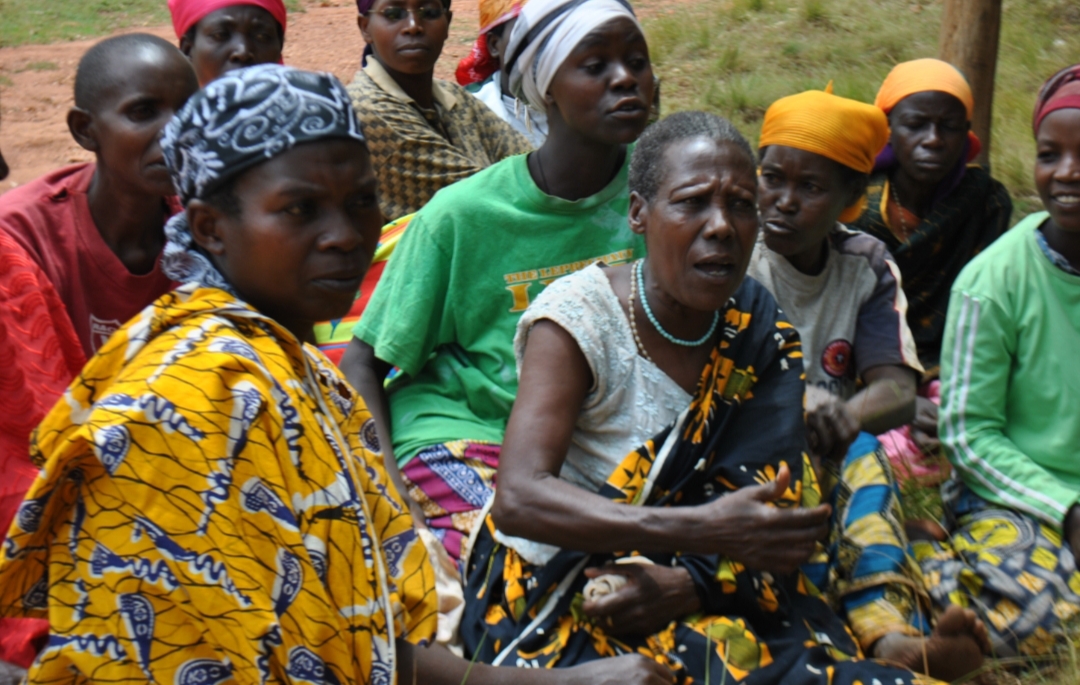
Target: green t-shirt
[1009, 386]
[468, 265]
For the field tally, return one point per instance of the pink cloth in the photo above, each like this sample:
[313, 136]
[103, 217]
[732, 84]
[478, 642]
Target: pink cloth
[187, 13]
[907, 458]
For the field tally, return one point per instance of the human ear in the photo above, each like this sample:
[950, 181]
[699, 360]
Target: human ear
[362, 24]
[206, 222]
[81, 125]
[186, 44]
[494, 46]
[639, 207]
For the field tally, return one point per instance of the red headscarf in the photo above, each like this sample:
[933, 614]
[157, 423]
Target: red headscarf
[479, 64]
[1061, 91]
[187, 13]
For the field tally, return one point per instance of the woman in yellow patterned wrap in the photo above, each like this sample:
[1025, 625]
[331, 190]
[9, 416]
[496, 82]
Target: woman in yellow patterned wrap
[211, 506]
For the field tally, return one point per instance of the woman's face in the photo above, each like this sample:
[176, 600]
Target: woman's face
[1057, 167]
[929, 130]
[605, 86]
[230, 38]
[801, 196]
[304, 237]
[701, 225]
[406, 35]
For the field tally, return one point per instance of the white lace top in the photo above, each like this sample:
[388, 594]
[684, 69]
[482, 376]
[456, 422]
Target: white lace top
[631, 399]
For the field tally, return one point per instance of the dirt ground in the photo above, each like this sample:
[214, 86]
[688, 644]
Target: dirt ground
[36, 80]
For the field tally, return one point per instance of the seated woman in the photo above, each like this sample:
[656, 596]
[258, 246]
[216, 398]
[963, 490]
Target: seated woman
[471, 261]
[221, 35]
[934, 210]
[424, 133]
[80, 249]
[482, 75]
[1009, 394]
[841, 291]
[657, 447]
[208, 509]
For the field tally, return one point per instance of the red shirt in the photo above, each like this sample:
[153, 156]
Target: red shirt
[50, 218]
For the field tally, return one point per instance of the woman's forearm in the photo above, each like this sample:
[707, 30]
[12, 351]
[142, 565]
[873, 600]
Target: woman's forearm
[887, 401]
[552, 511]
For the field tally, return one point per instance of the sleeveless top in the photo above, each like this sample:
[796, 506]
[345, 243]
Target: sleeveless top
[631, 399]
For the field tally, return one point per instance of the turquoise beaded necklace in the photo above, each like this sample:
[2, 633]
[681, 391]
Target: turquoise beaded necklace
[656, 324]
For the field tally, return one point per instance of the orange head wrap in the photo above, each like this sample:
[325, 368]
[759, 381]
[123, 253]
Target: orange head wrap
[479, 64]
[928, 74]
[919, 76]
[846, 131]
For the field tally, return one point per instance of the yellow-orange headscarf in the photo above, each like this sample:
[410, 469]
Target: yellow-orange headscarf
[919, 76]
[846, 131]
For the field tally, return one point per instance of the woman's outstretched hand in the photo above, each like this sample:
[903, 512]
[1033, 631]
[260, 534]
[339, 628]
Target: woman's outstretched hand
[746, 527]
[653, 597]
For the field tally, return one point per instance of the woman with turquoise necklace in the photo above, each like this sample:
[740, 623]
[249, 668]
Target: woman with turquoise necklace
[654, 494]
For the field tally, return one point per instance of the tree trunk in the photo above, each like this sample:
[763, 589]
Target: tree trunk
[969, 41]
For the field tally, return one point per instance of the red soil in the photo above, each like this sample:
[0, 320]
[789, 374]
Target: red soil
[34, 102]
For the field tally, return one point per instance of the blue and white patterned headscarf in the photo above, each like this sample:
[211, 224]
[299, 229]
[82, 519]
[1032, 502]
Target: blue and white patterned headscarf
[242, 119]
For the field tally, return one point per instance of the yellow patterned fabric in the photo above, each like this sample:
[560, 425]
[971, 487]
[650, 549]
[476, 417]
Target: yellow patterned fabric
[415, 151]
[212, 507]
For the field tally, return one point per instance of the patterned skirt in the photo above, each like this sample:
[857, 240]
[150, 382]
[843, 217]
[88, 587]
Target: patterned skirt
[452, 482]
[1014, 571]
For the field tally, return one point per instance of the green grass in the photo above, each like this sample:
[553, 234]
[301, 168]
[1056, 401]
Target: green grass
[48, 21]
[735, 57]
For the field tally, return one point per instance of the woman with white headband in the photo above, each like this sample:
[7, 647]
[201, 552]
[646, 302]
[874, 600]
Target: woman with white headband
[446, 308]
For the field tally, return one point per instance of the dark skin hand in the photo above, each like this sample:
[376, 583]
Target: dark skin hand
[1071, 528]
[437, 666]
[407, 48]
[929, 130]
[699, 233]
[127, 192]
[652, 597]
[887, 401]
[924, 428]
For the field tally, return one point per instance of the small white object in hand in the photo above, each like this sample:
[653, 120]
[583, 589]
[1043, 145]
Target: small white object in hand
[610, 583]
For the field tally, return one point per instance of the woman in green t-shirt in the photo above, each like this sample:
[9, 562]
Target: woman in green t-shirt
[446, 308]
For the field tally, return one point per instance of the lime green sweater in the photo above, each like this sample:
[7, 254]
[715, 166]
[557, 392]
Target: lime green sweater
[1010, 393]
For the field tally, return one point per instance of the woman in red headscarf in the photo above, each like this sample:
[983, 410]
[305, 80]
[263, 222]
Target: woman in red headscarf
[481, 70]
[222, 35]
[1010, 390]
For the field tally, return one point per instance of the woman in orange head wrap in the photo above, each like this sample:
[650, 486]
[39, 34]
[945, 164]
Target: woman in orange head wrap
[934, 211]
[841, 291]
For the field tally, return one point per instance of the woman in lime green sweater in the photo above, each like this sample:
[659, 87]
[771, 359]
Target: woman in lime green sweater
[1009, 414]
